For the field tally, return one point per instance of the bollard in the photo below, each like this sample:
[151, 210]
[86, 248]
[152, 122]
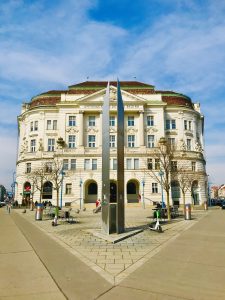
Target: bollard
[205, 205]
[187, 215]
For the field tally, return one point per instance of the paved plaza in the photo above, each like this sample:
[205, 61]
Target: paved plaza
[186, 261]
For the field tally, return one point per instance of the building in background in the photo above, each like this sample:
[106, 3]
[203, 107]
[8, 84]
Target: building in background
[73, 118]
[221, 191]
[2, 193]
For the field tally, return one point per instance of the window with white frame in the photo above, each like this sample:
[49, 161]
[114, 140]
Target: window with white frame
[54, 125]
[155, 188]
[72, 141]
[49, 124]
[91, 120]
[72, 121]
[31, 126]
[35, 125]
[32, 145]
[150, 120]
[172, 142]
[130, 121]
[51, 144]
[151, 141]
[68, 188]
[157, 164]
[112, 141]
[87, 164]
[91, 141]
[187, 125]
[131, 141]
[65, 164]
[114, 164]
[90, 164]
[73, 164]
[188, 144]
[112, 121]
[129, 163]
[136, 163]
[170, 124]
[28, 167]
[193, 166]
[150, 163]
[94, 164]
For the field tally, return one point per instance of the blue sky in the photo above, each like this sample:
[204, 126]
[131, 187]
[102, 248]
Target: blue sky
[172, 44]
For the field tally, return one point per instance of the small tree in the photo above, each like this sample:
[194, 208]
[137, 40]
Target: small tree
[37, 177]
[164, 154]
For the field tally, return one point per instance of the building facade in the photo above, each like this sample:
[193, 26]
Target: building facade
[73, 118]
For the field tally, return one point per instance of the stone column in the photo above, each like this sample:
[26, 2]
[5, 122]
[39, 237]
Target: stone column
[141, 129]
[81, 128]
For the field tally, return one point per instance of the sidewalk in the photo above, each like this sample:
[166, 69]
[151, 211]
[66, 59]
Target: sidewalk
[22, 274]
[187, 261]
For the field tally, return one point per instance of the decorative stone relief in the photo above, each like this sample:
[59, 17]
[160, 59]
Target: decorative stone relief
[112, 129]
[91, 130]
[198, 147]
[151, 130]
[72, 129]
[41, 147]
[131, 130]
[182, 145]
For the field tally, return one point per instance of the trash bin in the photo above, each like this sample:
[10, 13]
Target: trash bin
[205, 205]
[187, 212]
[39, 212]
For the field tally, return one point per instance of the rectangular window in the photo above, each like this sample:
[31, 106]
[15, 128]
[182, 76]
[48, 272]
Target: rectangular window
[28, 167]
[32, 145]
[157, 164]
[150, 163]
[131, 141]
[91, 121]
[193, 166]
[72, 121]
[72, 141]
[68, 188]
[73, 164]
[130, 121]
[65, 164]
[36, 125]
[185, 124]
[114, 163]
[170, 124]
[151, 141]
[112, 121]
[51, 144]
[189, 144]
[129, 163]
[31, 126]
[150, 120]
[91, 141]
[54, 125]
[87, 165]
[173, 165]
[136, 163]
[112, 141]
[94, 164]
[189, 125]
[49, 124]
[155, 188]
[172, 142]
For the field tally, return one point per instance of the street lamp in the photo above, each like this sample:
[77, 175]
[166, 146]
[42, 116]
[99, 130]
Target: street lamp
[161, 173]
[143, 193]
[81, 200]
[62, 173]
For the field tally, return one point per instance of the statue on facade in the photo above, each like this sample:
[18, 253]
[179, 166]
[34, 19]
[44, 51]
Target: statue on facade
[182, 145]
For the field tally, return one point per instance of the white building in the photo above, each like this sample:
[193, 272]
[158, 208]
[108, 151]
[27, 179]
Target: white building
[75, 115]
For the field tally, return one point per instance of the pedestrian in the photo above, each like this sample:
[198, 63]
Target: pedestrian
[9, 208]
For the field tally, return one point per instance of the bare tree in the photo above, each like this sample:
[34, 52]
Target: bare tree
[37, 178]
[164, 155]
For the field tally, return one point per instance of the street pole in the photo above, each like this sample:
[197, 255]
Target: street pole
[143, 193]
[62, 173]
[161, 173]
[81, 204]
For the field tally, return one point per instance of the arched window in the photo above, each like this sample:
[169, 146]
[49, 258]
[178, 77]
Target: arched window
[131, 188]
[47, 190]
[92, 188]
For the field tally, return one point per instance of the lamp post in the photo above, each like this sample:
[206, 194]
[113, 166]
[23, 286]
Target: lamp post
[209, 196]
[161, 173]
[81, 200]
[62, 173]
[143, 193]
